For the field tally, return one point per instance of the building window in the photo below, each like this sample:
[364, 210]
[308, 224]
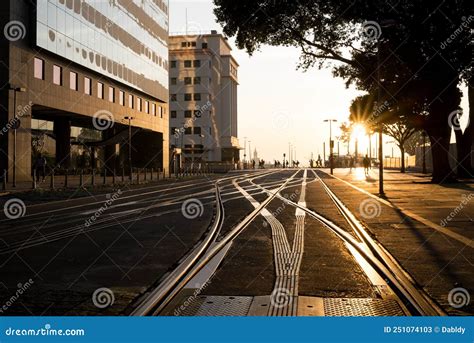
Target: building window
[187, 97]
[39, 68]
[197, 130]
[187, 80]
[100, 90]
[196, 63]
[87, 86]
[130, 101]
[197, 113]
[73, 84]
[193, 44]
[161, 111]
[153, 109]
[183, 44]
[172, 130]
[173, 64]
[122, 98]
[147, 107]
[174, 81]
[188, 131]
[204, 45]
[173, 114]
[187, 114]
[197, 96]
[173, 97]
[111, 94]
[57, 75]
[188, 64]
[139, 104]
[197, 80]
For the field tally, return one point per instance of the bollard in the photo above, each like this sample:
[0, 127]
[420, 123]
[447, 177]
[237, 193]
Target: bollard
[93, 177]
[123, 175]
[145, 174]
[81, 178]
[151, 178]
[34, 179]
[138, 176]
[113, 178]
[66, 179]
[105, 176]
[52, 179]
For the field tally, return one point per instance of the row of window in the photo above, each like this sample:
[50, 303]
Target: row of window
[193, 45]
[187, 97]
[139, 104]
[187, 64]
[187, 131]
[188, 114]
[187, 80]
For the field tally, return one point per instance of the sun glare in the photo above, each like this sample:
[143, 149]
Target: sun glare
[358, 131]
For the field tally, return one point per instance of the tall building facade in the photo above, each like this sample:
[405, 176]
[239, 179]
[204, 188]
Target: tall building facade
[78, 76]
[203, 98]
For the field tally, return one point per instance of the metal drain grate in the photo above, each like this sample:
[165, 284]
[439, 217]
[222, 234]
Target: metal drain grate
[346, 307]
[218, 306]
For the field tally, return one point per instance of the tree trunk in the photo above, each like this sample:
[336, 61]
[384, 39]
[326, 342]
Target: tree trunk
[442, 172]
[402, 151]
[464, 140]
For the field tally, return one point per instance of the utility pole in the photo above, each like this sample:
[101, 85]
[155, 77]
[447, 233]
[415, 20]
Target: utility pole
[129, 118]
[16, 126]
[331, 144]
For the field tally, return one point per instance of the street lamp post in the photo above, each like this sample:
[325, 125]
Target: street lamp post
[331, 144]
[15, 128]
[424, 152]
[129, 118]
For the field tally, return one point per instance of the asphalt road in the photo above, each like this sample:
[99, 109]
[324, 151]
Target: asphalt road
[56, 257]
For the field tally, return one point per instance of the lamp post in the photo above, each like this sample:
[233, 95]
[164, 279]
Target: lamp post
[424, 152]
[245, 149]
[16, 126]
[129, 118]
[284, 156]
[331, 144]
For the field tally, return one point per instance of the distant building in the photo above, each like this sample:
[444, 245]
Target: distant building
[203, 98]
[73, 72]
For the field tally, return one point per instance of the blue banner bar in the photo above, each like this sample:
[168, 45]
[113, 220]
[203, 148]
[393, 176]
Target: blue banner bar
[237, 329]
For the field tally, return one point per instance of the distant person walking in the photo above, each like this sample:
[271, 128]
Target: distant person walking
[253, 164]
[40, 167]
[351, 163]
[366, 163]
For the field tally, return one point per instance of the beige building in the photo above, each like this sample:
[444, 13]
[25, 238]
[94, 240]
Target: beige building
[203, 98]
[76, 75]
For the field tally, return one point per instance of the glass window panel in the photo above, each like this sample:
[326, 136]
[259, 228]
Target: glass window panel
[57, 75]
[39, 68]
[111, 94]
[73, 81]
[100, 90]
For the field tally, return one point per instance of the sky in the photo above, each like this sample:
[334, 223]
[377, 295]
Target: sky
[279, 105]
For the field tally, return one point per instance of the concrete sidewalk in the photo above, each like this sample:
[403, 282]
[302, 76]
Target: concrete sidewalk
[428, 228]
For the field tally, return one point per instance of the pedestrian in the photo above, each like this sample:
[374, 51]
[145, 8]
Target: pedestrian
[253, 164]
[40, 167]
[366, 163]
[351, 163]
